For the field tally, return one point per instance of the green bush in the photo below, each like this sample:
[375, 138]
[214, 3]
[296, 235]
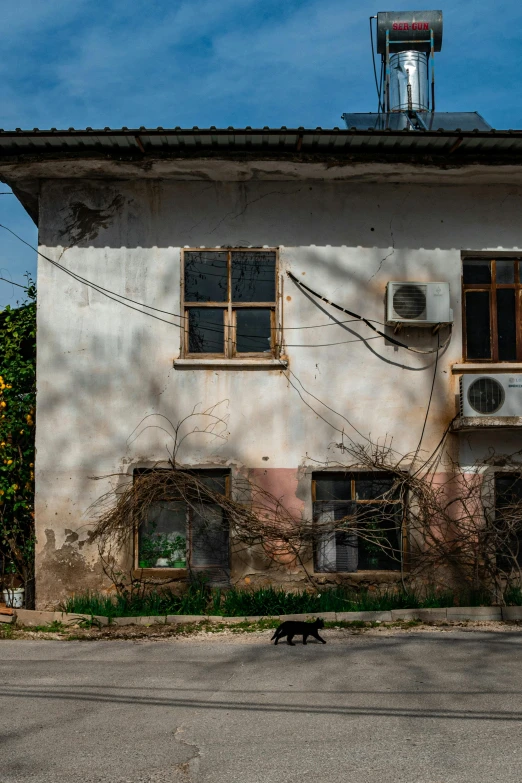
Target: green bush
[17, 410]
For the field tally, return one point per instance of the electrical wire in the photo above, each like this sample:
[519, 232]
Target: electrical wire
[429, 401]
[327, 345]
[121, 299]
[381, 85]
[89, 283]
[287, 371]
[366, 320]
[380, 107]
[107, 291]
[118, 297]
[435, 457]
[11, 281]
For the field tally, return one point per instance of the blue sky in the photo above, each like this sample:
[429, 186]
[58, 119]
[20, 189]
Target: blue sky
[78, 63]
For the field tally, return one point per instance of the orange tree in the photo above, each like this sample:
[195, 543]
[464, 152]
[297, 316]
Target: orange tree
[17, 409]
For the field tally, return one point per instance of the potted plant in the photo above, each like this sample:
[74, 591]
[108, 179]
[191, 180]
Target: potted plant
[159, 550]
[13, 596]
[164, 550]
[148, 552]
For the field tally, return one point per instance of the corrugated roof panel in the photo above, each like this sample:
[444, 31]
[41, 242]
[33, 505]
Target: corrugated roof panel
[469, 144]
[275, 140]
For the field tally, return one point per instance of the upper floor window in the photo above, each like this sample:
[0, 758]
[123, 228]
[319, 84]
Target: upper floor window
[492, 310]
[229, 299]
[371, 506]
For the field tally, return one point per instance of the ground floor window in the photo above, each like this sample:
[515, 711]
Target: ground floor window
[369, 507]
[508, 517]
[192, 534]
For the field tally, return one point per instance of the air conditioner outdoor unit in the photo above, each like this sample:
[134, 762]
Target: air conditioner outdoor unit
[419, 304]
[491, 395]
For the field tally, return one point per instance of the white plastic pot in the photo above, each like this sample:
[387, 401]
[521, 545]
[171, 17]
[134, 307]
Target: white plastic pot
[14, 597]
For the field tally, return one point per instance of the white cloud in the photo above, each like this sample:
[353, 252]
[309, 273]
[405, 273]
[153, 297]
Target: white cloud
[232, 62]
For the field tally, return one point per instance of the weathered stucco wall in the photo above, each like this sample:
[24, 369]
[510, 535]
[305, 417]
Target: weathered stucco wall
[107, 388]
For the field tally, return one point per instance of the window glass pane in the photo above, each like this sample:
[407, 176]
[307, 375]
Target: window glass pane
[379, 548]
[333, 486]
[325, 553]
[324, 544]
[253, 277]
[162, 539]
[508, 509]
[346, 552]
[254, 331]
[335, 549]
[477, 271]
[478, 337]
[505, 271]
[206, 276]
[369, 486]
[506, 325]
[508, 489]
[209, 537]
[206, 330]
[376, 546]
[214, 480]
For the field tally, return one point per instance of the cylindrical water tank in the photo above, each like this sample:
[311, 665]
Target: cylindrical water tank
[409, 81]
[409, 30]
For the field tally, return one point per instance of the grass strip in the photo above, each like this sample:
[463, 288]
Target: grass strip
[200, 599]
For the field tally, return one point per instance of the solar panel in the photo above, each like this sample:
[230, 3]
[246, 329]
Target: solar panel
[452, 120]
[391, 121]
[425, 120]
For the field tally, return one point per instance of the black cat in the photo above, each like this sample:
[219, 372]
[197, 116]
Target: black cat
[292, 628]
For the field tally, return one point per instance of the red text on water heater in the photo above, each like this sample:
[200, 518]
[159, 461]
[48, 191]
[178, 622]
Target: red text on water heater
[412, 26]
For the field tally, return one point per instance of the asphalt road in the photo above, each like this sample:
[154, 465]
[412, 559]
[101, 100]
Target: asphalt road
[433, 707]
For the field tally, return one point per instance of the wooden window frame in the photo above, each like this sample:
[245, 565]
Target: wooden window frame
[353, 499]
[230, 309]
[492, 288]
[169, 571]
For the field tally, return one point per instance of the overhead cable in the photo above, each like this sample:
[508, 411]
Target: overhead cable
[118, 297]
[12, 281]
[380, 107]
[435, 367]
[111, 294]
[366, 320]
[104, 291]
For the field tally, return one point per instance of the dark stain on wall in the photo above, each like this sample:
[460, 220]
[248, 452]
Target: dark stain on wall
[84, 223]
[64, 571]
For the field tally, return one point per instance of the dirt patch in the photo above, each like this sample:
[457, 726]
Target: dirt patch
[246, 633]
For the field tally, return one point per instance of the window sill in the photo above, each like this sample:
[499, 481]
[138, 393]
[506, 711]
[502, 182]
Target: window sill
[468, 423]
[230, 364]
[159, 573]
[486, 367]
[363, 576]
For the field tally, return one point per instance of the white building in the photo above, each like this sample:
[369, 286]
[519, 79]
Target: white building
[140, 230]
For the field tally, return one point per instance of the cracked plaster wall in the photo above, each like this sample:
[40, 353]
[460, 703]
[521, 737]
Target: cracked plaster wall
[103, 368]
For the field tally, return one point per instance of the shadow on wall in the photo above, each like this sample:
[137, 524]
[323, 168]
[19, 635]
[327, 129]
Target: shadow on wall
[103, 367]
[91, 213]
